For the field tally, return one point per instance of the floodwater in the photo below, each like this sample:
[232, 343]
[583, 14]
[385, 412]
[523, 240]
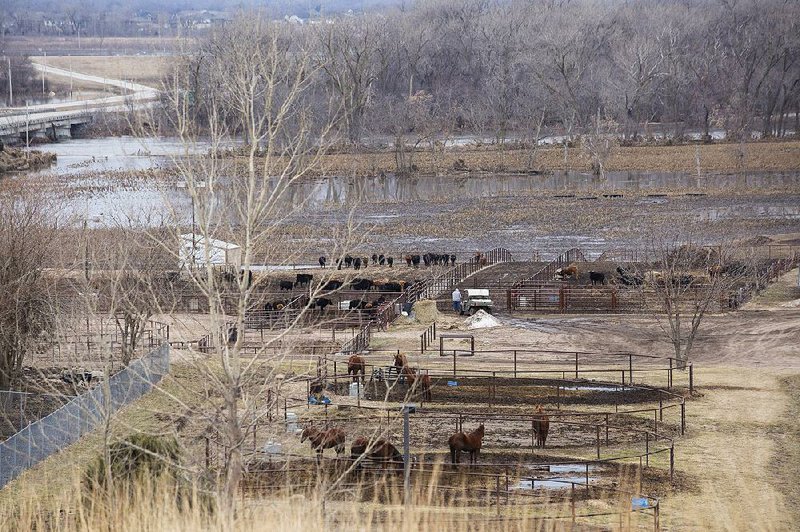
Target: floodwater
[96, 176]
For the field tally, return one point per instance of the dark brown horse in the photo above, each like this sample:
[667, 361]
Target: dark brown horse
[380, 451]
[423, 381]
[471, 443]
[355, 365]
[324, 439]
[541, 425]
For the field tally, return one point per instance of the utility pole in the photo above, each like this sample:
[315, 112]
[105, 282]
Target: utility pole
[408, 408]
[10, 87]
[44, 74]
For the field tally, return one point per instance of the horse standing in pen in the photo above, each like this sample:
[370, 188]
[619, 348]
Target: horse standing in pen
[357, 365]
[470, 443]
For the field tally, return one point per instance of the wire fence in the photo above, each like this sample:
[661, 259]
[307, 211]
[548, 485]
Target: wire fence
[84, 413]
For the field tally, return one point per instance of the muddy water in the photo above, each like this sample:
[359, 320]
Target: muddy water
[88, 174]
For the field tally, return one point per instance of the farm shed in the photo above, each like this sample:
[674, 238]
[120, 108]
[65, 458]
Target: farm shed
[219, 251]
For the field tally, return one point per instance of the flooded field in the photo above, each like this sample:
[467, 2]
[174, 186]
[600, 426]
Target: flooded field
[114, 179]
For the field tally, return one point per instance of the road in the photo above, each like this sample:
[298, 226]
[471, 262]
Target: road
[136, 96]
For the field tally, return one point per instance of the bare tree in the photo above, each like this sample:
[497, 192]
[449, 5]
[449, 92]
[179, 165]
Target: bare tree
[686, 283]
[27, 234]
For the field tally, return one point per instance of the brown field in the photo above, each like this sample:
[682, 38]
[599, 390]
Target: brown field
[144, 69]
[714, 158]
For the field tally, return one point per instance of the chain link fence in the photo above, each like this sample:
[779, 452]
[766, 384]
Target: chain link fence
[82, 414]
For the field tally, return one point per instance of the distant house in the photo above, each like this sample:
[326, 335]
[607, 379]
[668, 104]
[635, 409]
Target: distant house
[193, 251]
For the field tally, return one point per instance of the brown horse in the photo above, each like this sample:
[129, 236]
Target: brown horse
[400, 361]
[410, 374]
[380, 451]
[541, 425]
[471, 443]
[355, 365]
[324, 439]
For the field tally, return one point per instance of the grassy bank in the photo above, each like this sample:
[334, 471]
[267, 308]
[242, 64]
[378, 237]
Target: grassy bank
[714, 158]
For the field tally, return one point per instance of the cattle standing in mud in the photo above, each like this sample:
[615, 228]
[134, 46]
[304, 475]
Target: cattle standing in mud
[303, 279]
[597, 278]
[322, 262]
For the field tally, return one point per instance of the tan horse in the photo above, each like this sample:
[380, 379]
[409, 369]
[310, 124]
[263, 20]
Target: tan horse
[471, 443]
[541, 425]
[355, 365]
[324, 439]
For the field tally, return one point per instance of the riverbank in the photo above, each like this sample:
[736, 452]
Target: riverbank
[18, 160]
[690, 158]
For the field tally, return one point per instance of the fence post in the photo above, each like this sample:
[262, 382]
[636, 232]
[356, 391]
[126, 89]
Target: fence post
[335, 377]
[691, 379]
[597, 439]
[454, 363]
[497, 492]
[671, 461]
[606, 429]
[571, 502]
[576, 366]
[647, 448]
[683, 417]
[515, 363]
[630, 369]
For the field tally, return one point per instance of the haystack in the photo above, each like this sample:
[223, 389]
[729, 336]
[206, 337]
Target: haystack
[426, 312]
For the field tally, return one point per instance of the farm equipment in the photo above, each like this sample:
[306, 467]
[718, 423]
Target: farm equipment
[476, 299]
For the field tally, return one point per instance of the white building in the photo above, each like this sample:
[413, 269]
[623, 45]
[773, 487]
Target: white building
[193, 251]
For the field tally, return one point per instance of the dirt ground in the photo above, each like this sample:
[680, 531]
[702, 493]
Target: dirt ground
[736, 465]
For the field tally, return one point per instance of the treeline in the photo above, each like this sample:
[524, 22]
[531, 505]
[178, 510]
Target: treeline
[518, 68]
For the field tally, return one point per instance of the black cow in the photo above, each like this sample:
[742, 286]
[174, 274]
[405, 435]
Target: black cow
[390, 261]
[322, 262]
[322, 303]
[303, 279]
[286, 285]
[415, 260]
[393, 287]
[426, 258]
[408, 260]
[453, 260]
[332, 285]
[628, 277]
[361, 284]
[374, 258]
[597, 278]
[357, 263]
[381, 259]
[233, 335]
[348, 261]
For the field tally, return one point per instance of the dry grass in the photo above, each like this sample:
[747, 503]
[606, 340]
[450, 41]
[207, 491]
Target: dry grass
[722, 157]
[148, 70]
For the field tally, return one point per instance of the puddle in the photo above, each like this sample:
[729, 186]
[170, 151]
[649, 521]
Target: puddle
[589, 388]
[562, 483]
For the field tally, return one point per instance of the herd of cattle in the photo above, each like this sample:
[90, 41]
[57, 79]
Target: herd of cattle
[634, 278]
[412, 261]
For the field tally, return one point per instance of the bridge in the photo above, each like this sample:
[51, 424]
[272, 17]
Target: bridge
[60, 120]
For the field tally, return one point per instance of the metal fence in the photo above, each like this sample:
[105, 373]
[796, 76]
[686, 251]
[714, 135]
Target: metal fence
[82, 414]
